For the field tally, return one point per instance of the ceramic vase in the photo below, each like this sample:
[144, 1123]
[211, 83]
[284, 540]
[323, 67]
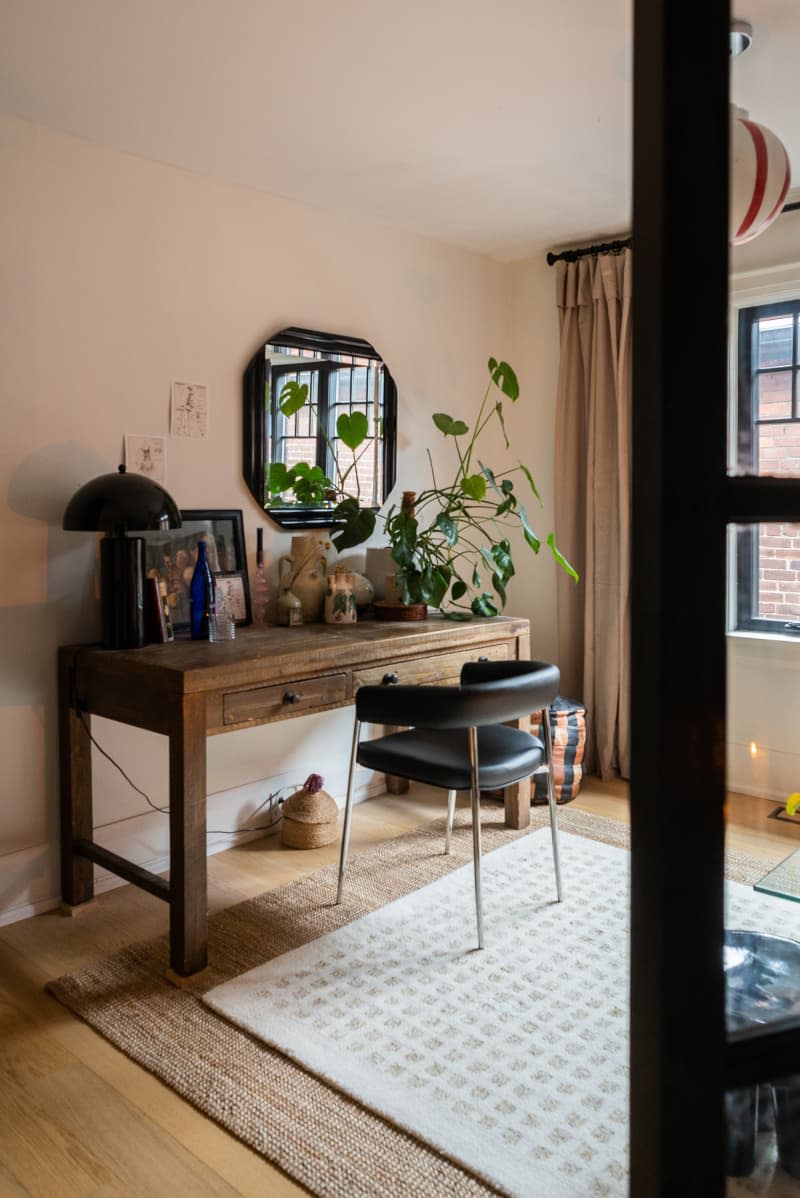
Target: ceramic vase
[340, 604]
[303, 571]
[289, 609]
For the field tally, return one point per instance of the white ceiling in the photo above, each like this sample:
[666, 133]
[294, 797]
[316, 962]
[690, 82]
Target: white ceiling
[502, 127]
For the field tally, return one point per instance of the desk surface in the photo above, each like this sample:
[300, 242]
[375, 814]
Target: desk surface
[141, 686]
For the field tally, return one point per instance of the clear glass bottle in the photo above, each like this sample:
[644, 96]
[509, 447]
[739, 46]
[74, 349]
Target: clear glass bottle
[260, 589]
[221, 622]
[201, 595]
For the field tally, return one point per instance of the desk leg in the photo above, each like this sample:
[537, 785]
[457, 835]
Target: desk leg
[188, 904]
[75, 764]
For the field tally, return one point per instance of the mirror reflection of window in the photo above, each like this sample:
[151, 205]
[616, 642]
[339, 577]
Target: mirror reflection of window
[344, 375]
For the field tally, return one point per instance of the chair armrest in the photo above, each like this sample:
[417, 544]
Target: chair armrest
[490, 693]
[538, 679]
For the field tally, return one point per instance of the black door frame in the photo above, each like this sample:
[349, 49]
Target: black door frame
[682, 503]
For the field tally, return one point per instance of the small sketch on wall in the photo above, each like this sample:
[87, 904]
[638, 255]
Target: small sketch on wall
[189, 410]
[145, 455]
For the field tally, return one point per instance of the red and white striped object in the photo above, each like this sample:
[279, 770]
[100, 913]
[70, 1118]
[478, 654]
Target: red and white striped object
[760, 177]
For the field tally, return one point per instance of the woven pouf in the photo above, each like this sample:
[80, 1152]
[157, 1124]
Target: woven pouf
[310, 816]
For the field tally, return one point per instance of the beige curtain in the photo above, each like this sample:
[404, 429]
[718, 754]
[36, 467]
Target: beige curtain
[592, 495]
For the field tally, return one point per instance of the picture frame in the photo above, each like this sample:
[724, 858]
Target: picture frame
[231, 586]
[170, 554]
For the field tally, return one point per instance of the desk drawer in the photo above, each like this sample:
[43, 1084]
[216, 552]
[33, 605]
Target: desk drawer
[437, 669]
[288, 698]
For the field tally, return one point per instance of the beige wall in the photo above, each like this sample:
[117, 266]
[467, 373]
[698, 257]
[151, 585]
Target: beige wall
[120, 275]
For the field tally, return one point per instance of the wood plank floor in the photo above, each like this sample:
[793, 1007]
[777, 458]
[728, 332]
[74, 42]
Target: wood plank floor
[78, 1118]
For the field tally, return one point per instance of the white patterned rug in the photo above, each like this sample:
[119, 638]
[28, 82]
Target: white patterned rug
[511, 1061]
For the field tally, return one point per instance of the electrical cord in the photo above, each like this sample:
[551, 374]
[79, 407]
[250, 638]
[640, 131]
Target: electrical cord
[271, 797]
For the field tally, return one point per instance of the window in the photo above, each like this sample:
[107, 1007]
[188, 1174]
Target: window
[768, 443]
[337, 383]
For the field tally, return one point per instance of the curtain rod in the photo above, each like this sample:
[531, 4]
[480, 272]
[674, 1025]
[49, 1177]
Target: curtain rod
[614, 247]
[606, 247]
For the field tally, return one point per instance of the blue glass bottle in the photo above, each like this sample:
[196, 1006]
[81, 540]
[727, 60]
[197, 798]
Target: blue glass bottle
[201, 594]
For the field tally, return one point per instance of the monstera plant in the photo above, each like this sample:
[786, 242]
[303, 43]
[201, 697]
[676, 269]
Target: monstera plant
[453, 550]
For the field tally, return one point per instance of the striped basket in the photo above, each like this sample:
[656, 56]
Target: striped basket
[568, 722]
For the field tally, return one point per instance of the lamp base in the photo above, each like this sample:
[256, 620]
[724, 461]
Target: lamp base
[122, 591]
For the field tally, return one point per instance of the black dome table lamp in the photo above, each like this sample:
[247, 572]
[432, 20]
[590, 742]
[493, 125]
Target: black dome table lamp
[117, 504]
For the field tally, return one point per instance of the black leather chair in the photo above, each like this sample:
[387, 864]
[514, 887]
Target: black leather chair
[459, 741]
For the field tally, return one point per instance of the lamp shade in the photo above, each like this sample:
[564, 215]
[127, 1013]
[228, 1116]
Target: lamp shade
[118, 503]
[760, 177]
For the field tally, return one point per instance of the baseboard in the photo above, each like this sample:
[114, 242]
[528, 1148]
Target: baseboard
[28, 910]
[46, 863]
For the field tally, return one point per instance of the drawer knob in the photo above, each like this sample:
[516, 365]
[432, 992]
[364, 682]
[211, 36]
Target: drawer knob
[390, 679]
[292, 697]
[483, 659]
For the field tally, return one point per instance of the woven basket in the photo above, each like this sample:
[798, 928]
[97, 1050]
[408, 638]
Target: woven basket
[309, 820]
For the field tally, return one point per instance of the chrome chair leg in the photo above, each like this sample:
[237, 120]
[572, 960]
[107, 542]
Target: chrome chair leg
[348, 811]
[475, 796]
[451, 814]
[551, 796]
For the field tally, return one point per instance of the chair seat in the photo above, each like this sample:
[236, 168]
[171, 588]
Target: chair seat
[441, 758]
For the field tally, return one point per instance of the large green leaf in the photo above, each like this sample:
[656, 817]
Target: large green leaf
[527, 531]
[504, 377]
[489, 475]
[559, 556]
[403, 534]
[499, 586]
[457, 615]
[529, 477]
[447, 527]
[501, 555]
[352, 428]
[359, 524]
[292, 397]
[484, 605]
[474, 485]
[498, 407]
[278, 478]
[409, 580]
[459, 589]
[313, 473]
[450, 427]
[434, 583]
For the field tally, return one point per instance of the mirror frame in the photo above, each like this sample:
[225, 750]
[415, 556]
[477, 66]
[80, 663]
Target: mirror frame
[255, 428]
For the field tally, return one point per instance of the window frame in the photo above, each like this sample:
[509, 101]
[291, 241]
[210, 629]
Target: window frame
[260, 428]
[744, 436]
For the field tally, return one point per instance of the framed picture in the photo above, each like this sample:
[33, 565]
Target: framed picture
[232, 587]
[171, 555]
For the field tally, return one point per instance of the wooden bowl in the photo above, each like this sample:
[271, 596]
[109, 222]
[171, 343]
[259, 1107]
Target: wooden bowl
[399, 611]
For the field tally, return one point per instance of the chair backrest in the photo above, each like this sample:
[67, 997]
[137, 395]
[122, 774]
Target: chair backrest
[490, 692]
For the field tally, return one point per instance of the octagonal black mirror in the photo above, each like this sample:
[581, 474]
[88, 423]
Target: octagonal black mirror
[294, 457]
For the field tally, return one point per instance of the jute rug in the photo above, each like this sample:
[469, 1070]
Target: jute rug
[324, 1140]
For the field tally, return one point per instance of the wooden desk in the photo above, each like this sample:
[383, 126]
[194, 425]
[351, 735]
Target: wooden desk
[188, 690]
